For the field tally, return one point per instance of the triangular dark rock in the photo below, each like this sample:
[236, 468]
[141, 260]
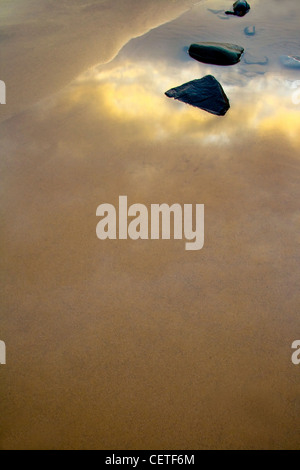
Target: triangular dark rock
[216, 53]
[206, 93]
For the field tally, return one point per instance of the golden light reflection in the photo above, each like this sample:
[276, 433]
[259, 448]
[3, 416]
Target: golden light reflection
[141, 345]
[131, 93]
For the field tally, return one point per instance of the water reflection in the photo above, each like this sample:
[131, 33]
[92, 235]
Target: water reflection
[260, 90]
[134, 91]
[138, 345]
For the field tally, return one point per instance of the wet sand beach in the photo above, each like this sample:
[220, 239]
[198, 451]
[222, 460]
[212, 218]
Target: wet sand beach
[140, 344]
[45, 45]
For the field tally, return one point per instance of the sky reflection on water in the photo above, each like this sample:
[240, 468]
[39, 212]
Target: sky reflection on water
[141, 345]
[262, 97]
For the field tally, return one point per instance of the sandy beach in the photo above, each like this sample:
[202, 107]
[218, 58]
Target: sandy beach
[45, 46]
[141, 344]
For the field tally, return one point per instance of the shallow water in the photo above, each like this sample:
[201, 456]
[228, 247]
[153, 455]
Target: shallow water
[142, 345]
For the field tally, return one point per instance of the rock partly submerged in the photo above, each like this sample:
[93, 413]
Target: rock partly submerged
[206, 93]
[216, 53]
[240, 8]
[291, 62]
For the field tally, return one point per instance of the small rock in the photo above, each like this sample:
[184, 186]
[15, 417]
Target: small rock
[254, 60]
[250, 31]
[291, 62]
[216, 53]
[240, 8]
[206, 93]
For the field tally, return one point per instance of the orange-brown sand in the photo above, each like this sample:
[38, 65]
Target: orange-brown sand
[143, 345]
[45, 45]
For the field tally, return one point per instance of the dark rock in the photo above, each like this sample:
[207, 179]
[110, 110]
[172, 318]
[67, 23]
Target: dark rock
[216, 53]
[250, 31]
[206, 93]
[240, 8]
[291, 62]
[255, 60]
